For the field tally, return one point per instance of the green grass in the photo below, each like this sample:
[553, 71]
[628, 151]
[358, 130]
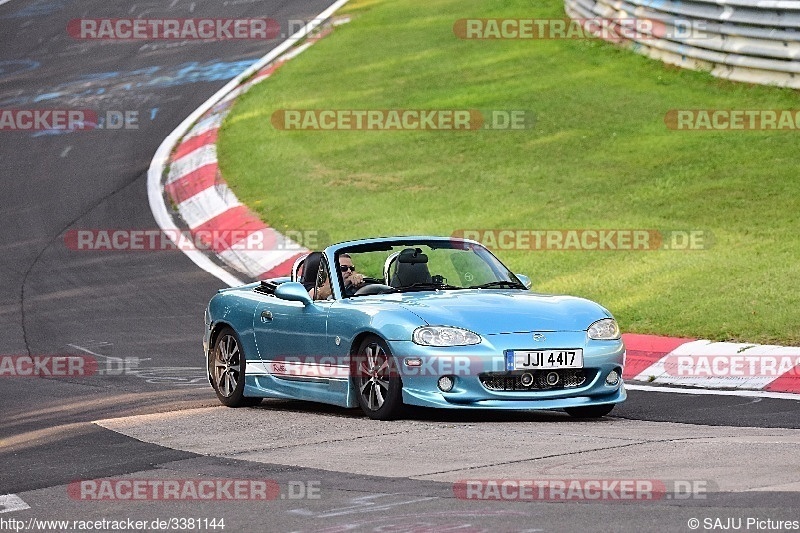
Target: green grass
[599, 156]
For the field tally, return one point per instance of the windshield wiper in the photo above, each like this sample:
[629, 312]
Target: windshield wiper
[503, 283]
[423, 286]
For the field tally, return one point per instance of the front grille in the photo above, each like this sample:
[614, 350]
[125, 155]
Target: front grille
[512, 381]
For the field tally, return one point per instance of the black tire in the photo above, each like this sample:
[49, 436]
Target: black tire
[590, 411]
[379, 388]
[226, 366]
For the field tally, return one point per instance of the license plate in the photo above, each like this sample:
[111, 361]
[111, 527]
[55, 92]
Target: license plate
[543, 359]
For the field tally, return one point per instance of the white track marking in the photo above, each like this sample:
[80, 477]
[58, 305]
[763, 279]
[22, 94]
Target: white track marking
[90, 352]
[175, 375]
[363, 504]
[161, 158]
[107, 357]
[210, 123]
[710, 392]
[11, 502]
[207, 204]
[261, 251]
[202, 156]
[708, 349]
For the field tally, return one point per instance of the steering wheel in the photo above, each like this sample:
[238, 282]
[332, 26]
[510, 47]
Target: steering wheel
[366, 281]
[374, 286]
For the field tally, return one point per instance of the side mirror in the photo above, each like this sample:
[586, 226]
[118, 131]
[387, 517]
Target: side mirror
[294, 292]
[525, 280]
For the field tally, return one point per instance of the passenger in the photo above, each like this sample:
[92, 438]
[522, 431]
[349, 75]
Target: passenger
[322, 289]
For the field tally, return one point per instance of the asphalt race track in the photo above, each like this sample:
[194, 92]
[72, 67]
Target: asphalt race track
[159, 419]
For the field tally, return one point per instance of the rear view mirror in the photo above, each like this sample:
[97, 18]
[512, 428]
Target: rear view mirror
[413, 257]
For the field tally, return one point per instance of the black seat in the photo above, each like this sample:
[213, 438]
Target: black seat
[407, 271]
[310, 270]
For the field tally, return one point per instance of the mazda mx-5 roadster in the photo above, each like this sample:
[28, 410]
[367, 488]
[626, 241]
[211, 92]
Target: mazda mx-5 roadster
[428, 321]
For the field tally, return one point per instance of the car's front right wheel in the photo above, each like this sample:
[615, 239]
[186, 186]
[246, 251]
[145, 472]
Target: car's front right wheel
[377, 381]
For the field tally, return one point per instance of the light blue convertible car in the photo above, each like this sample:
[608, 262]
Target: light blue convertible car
[428, 321]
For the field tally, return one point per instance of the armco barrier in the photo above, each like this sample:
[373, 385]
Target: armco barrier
[753, 41]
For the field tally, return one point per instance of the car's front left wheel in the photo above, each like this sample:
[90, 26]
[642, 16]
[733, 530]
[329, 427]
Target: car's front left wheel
[226, 368]
[377, 381]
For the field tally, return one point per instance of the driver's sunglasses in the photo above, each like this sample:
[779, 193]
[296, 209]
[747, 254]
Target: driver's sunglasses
[344, 268]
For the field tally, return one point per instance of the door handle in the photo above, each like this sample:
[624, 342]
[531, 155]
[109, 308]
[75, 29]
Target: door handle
[266, 316]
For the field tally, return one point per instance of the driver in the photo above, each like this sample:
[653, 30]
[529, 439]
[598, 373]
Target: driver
[352, 279]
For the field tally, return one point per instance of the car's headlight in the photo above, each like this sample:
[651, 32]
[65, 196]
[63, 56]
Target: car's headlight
[444, 336]
[605, 329]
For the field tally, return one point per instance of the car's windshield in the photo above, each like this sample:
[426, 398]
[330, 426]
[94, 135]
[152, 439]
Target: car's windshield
[412, 266]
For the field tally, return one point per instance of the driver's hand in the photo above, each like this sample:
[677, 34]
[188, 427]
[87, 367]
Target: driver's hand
[356, 279]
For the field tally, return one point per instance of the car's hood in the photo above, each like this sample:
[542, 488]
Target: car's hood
[492, 311]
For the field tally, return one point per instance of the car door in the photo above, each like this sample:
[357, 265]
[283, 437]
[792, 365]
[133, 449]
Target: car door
[292, 342]
[289, 332]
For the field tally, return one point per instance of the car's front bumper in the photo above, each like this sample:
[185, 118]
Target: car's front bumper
[441, 399]
[467, 364]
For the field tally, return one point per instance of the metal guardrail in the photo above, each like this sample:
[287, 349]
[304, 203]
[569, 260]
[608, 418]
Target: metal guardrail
[753, 41]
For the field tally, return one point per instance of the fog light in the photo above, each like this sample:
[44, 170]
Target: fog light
[446, 383]
[552, 378]
[612, 378]
[526, 379]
